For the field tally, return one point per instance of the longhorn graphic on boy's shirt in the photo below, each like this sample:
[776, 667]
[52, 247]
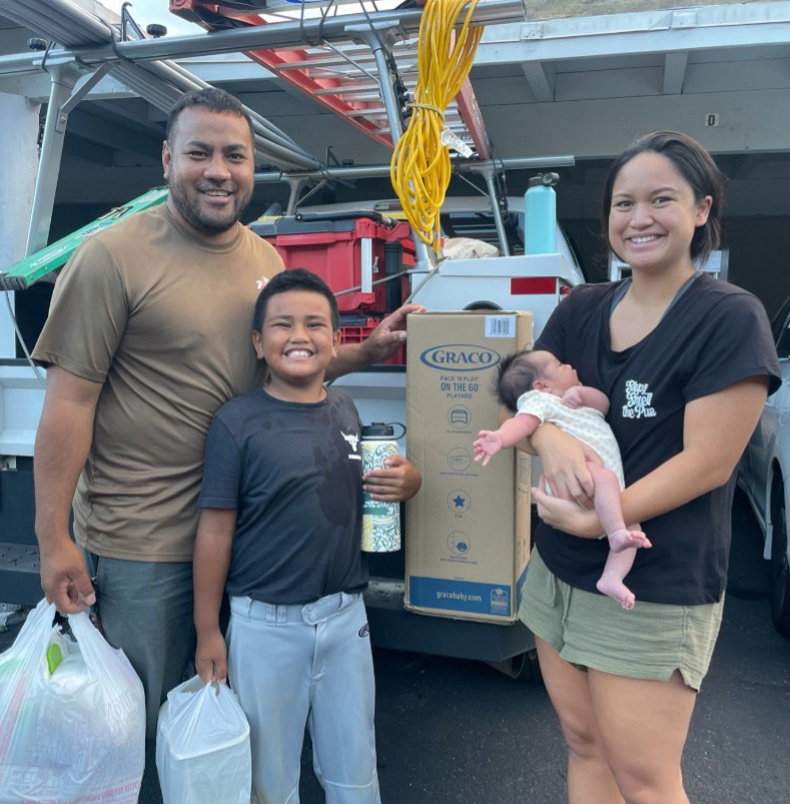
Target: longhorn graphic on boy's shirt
[352, 439]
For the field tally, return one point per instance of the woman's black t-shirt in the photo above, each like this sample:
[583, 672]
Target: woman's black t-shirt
[715, 335]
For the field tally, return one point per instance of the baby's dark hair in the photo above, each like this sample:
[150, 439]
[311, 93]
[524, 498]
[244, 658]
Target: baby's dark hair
[516, 375]
[294, 279]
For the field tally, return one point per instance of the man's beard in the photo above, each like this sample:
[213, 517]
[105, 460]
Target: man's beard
[194, 215]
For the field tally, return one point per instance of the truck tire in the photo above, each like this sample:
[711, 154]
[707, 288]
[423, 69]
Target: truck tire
[780, 571]
[530, 668]
[521, 667]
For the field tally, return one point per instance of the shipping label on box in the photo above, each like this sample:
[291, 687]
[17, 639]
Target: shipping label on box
[467, 530]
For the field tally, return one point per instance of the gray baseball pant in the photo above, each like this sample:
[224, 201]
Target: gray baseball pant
[297, 664]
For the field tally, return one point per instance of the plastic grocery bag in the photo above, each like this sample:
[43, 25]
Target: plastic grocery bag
[72, 716]
[203, 746]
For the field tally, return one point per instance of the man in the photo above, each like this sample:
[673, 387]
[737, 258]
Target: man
[148, 335]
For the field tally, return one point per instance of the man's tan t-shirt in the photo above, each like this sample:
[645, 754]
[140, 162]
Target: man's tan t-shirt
[164, 321]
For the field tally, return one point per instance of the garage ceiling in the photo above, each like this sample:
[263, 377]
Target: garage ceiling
[581, 85]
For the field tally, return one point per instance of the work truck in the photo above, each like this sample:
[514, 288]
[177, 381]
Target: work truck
[361, 67]
[373, 262]
[336, 238]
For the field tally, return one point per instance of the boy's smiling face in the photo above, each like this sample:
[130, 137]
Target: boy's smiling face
[298, 343]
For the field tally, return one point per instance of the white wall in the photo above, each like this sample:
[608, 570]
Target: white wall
[19, 160]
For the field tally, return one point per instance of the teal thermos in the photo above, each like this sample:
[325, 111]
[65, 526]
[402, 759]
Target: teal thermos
[540, 215]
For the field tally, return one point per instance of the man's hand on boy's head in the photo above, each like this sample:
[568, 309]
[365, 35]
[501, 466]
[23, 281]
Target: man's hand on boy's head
[399, 481]
[390, 334]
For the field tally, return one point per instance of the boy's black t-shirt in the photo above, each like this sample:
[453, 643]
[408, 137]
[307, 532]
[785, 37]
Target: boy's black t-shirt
[293, 471]
[713, 336]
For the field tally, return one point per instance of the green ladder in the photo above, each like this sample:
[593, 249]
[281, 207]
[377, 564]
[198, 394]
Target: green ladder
[21, 275]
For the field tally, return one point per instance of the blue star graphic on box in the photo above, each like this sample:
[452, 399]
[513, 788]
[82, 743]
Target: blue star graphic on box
[458, 501]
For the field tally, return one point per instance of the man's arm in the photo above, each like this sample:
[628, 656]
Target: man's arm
[63, 442]
[210, 571]
[382, 343]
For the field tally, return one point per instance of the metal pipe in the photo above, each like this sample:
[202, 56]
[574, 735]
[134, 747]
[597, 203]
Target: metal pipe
[281, 35]
[163, 95]
[260, 123]
[504, 246]
[378, 171]
[84, 89]
[160, 83]
[64, 77]
[66, 23]
[375, 40]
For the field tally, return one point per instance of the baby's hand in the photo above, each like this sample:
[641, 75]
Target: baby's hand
[572, 398]
[487, 445]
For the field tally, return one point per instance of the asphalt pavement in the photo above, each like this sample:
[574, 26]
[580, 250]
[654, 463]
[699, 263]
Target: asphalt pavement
[457, 732]
[460, 732]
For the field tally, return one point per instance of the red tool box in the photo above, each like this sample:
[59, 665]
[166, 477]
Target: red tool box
[358, 331]
[348, 253]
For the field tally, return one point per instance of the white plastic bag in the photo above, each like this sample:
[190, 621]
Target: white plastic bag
[203, 746]
[73, 734]
[467, 248]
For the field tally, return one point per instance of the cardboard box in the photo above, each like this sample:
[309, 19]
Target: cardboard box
[467, 531]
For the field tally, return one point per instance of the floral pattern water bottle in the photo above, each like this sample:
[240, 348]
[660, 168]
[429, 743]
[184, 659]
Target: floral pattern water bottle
[380, 520]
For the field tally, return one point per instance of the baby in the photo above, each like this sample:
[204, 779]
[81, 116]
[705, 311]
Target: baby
[538, 388]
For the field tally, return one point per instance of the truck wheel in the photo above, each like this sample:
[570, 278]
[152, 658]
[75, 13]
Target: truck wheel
[530, 668]
[522, 666]
[780, 571]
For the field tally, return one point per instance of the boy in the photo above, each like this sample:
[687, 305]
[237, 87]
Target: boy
[537, 388]
[280, 523]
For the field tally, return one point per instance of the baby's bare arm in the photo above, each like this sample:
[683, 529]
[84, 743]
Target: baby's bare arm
[584, 396]
[511, 431]
[522, 425]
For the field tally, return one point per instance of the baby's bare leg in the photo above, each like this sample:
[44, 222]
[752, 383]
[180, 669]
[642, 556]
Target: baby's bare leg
[610, 512]
[618, 565]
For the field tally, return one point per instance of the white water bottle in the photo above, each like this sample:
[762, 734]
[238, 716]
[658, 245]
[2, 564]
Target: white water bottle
[380, 520]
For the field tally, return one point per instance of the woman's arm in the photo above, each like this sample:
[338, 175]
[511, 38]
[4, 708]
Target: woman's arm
[564, 459]
[716, 429]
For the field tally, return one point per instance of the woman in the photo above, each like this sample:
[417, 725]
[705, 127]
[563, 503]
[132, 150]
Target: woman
[687, 361]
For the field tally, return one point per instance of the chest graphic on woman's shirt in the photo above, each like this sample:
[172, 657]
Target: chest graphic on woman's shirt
[638, 401]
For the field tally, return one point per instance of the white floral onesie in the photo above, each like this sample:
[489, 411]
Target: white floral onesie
[586, 424]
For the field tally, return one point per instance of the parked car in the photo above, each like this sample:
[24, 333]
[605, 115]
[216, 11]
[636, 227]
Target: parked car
[765, 476]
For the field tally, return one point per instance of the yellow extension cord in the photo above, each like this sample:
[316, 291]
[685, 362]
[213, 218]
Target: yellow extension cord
[420, 167]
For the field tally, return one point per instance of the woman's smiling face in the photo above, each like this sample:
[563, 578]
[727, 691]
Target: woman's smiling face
[654, 214]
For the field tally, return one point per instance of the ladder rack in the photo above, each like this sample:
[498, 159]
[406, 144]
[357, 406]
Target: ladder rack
[358, 78]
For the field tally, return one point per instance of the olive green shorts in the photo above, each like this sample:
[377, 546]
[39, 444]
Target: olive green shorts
[593, 631]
